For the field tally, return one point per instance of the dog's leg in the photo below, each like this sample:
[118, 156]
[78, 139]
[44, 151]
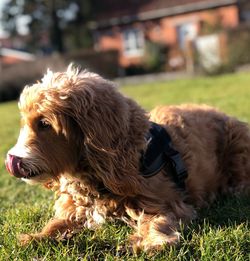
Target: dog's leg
[56, 228]
[153, 232]
[63, 225]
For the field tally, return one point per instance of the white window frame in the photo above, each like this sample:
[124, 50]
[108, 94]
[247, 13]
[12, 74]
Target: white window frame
[133, 42]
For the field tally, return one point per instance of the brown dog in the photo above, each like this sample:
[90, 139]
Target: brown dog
[84, 139]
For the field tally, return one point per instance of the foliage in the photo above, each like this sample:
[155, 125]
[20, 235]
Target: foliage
[155, 56]
[56, 19]
[207, 28]
[153, 60]
[220, 233]
[237, 50]
[239, 42]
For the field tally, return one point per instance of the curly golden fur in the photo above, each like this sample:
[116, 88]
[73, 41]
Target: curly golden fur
[84, 139]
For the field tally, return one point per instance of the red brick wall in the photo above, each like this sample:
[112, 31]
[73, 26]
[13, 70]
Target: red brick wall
[164, 30]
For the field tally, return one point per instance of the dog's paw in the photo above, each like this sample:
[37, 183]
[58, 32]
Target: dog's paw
[25, 239]
[152, 243]
[135, 242]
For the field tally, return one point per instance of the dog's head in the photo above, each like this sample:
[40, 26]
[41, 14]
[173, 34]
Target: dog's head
[70, 121]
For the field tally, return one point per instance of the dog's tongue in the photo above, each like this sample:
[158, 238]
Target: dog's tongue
[13, 165]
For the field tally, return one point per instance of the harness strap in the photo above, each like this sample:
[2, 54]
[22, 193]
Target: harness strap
[161, 154]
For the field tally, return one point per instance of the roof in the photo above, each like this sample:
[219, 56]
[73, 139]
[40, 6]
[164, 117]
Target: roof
[114, 12]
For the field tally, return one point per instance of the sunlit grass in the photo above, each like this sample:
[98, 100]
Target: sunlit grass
[220, 233]
[230, 93]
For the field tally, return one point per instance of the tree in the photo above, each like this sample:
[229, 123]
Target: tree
[55, 18]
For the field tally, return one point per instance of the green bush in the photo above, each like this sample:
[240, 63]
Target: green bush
[238, 45]
[155, 56]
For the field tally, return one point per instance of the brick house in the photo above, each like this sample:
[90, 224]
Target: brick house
[127, 25]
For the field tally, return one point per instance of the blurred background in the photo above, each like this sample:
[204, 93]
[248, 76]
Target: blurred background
[118, 38]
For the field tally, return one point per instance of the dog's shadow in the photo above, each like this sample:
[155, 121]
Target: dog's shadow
[226, 212]
[223, 218]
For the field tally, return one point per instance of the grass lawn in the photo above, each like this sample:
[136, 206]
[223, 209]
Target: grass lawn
[222, 232]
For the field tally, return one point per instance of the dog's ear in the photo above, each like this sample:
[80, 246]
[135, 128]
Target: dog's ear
[103, 114]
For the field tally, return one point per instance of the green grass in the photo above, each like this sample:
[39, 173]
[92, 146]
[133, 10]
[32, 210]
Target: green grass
[222, 231]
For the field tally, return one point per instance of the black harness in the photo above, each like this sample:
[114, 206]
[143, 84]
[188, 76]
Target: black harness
[161, 154]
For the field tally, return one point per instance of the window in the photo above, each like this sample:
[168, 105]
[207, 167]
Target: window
[133, 42]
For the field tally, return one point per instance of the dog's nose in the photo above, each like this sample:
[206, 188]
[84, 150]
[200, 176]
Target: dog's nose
[13, 165]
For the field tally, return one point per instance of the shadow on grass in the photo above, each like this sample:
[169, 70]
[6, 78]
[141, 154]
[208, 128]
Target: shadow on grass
[224, 224]
[227, 211]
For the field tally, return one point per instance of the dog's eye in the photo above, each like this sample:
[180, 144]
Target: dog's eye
[43, 124]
